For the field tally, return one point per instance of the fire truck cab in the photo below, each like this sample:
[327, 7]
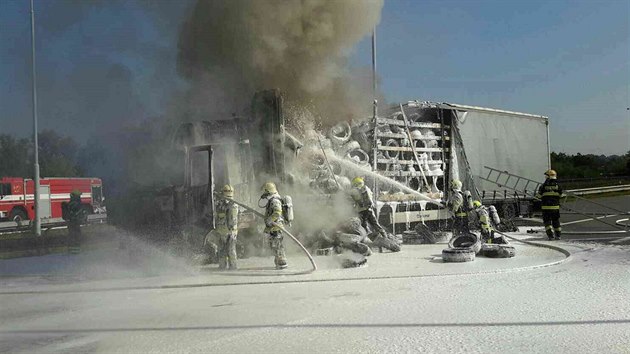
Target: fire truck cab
[17, 198]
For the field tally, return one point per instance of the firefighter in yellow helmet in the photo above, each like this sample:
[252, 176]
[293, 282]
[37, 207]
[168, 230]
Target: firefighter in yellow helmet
[226, 229]
[458, 208]
[487, 232]
[274, 222]
[364, 205]
[550, 193]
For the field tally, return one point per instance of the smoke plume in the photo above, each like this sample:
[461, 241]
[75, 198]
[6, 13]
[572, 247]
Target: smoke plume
[233, 48]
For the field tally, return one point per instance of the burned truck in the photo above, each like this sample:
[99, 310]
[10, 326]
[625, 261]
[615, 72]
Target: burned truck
[407, 156]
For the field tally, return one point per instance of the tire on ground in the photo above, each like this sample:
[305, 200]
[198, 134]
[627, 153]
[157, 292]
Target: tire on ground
[386, 243]
[352, 226]
[498, 251]
[469, 240]
[426, 233]
[458, 255]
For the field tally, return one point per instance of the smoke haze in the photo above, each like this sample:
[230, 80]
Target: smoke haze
[300, 47]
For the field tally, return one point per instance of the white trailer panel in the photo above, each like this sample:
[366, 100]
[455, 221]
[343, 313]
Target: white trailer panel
[508, 141]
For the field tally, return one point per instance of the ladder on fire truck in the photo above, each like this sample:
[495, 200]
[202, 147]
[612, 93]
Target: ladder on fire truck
[579, 205]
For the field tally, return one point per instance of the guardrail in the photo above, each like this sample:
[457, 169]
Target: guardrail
[9, 226]
[598, 190]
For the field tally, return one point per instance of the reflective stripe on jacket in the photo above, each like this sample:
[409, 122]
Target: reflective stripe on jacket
[550, 193]
[484, 218]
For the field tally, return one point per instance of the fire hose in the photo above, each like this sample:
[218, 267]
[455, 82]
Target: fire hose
[257, 213]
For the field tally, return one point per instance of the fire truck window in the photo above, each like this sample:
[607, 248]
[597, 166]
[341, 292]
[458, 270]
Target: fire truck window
[5, 189]
[97, 194]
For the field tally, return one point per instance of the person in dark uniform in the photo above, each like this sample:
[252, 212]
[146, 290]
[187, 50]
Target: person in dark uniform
[74, 217]
[550, 193]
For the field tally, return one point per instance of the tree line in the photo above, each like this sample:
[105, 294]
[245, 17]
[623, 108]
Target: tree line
[59, 156]
[590, 166]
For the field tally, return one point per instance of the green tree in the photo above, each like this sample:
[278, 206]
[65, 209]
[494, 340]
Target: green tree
[15, 158]
[58, 155]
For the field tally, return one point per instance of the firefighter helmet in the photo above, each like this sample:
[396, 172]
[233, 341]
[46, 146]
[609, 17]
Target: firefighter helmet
[358, 182]
[75, 193]
[551, 174]
[270, 188]
[476, 204]
[228, 191]
[456, 184]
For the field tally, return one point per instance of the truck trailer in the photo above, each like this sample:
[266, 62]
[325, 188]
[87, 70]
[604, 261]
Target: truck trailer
[427, 144]
[408, 155]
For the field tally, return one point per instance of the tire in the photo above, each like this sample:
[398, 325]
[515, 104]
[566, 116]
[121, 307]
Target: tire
[509, 211]
[350, 263]
[426, 233]
[470, 240]
[18, 215]
[498, 251]
[352, 226]
[386, 243]
[458, 255]
[362, 139]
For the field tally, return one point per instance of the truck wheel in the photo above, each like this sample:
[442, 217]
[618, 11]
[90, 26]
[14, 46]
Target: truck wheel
[18, 215]
[498, 251]
[509, 211]
[457, 255]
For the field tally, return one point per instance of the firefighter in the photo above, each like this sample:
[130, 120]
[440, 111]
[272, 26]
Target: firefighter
[74, 217]
[458, 208]
[274, 223]
[226, 229]
[364, 204]
[487, 232]
[550, 193]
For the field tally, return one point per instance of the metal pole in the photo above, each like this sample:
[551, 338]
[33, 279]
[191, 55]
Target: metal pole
[38, 224]
[374, 72]
[374, 114]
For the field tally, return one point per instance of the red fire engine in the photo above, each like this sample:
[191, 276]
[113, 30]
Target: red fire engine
[17, 200]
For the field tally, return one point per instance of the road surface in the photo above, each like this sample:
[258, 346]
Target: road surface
[537, 302]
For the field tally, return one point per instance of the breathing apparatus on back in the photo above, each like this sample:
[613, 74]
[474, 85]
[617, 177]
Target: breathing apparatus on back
[270, 192]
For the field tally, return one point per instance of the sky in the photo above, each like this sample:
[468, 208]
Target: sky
[104, 64]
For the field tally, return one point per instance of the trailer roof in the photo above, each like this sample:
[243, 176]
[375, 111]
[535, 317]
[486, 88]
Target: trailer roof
[446, 105]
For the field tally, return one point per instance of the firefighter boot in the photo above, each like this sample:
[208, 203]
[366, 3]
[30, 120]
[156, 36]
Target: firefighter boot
[558, 232]
[281, 262]
[223, 263]
[549, 232]
[232, 265]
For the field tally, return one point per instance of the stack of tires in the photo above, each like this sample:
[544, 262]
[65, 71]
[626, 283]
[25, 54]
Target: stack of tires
[462, 248]
[465, 248]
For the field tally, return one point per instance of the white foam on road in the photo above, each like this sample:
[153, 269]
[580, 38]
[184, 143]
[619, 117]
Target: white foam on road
[577, 306]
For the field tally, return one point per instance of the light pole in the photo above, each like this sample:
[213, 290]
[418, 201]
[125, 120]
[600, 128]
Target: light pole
[374, 114]
[38, 224]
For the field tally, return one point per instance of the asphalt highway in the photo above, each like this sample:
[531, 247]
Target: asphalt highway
[578, 227]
